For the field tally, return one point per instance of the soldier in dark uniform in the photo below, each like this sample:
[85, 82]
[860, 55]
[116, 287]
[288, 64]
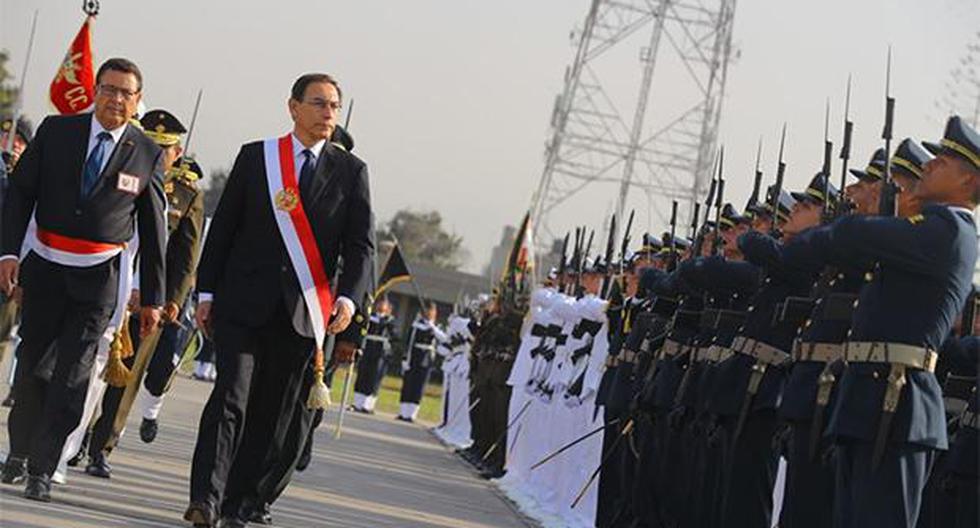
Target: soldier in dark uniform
[749, 382]
[185, 220]
[418, 362]
[888, 418]
[496, 345]
[9, 305]
[819, 349]
[372, 364]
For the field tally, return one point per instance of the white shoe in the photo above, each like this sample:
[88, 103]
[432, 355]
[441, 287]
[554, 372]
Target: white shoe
[59, 478]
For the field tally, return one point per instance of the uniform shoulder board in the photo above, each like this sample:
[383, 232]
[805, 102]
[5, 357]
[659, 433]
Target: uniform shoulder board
[915, 219]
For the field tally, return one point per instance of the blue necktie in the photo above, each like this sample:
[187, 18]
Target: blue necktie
[306, 176]
[93, 165]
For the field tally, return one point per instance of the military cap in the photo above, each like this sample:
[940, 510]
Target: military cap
[595, 265]
[910, 158]
[814, 192]
[785, 203]
[185, 169]
[680, 244]
[731, 218]
[23, 129]
[342, 138]
[875, 170]
[649, 246]
[162, 127]
[960, 140]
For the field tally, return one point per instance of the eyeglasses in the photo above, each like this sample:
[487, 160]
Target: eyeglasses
[112, 92]
[323, 104]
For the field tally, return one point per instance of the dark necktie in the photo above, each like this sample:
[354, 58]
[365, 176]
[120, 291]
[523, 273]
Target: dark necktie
[93, 165]
[306, 176]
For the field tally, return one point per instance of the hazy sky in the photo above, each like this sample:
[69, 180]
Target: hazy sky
[453, 97]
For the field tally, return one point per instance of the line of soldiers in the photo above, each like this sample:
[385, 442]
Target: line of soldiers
[786, 365]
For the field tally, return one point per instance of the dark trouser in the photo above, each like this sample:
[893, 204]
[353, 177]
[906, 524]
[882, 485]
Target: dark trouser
[165, 359]
[887, 496]
[415, 378]
[610, 500]
[206, 353]
[481, 399]
[648, 489]
[496, 411]
[68, 309]
[370, 370]
[809, 494]
[244, 423]
[747, 500]
[102, 438]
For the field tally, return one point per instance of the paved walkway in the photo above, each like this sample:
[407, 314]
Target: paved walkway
[381, 473]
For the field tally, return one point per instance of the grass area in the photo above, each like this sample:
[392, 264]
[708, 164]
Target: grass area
[430, 411]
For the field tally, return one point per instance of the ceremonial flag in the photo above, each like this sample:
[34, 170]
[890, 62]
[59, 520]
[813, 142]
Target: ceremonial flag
[521, 256]
[395, 271]
[73, 88]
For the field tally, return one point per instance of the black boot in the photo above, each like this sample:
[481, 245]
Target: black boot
[148, 430]
[201, 515]
[14, 470]
[38, 488]
[99, 467]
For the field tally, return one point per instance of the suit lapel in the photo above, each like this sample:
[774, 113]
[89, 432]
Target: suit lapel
[324, 172]
[80, 153]
[120, 155]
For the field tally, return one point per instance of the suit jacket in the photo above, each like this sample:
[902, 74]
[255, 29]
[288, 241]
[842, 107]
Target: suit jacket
[47, 183]
[244, 263]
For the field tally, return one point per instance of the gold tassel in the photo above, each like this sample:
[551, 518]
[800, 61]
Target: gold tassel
[319, 393]
[116, 374]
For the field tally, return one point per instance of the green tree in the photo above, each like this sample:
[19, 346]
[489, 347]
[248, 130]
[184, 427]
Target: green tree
[423, 239]
[8, 91]
[213, 186]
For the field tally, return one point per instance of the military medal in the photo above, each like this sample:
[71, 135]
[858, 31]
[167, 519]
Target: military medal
[287, 199]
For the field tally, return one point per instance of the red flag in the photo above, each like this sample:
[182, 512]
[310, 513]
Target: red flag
[73, 88]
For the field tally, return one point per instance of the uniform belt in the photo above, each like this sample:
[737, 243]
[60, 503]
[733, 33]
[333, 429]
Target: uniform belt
[612, 361]
[763, 353]
[627, 356]
[430, 348]
[671, 348]
[718, 353]
[892, 353]
[379, 339]
[820, 352]
[969, 419]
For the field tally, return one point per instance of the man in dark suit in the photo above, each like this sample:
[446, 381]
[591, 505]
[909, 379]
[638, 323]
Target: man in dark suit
[249, 287]
[86, 179]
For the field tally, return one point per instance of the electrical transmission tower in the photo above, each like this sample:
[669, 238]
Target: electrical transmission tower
[963, 89]
[667, 149]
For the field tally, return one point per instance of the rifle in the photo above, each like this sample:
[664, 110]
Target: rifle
[626, 240]
[889, 190]
[828, 151]
[699, 233]
[716, 240]
[694, 220]
[562, 263]
[610, 248]
[845, 150]
[672, 263]
[778, 188]
[754, 198]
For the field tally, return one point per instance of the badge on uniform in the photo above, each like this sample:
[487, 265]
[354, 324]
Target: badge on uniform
[128, 183]
[287, 199]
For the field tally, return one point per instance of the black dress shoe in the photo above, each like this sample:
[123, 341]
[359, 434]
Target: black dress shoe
[99, 467]
[14, 470]
[261, 515]
[9, 400]
[148, 430]
[493, 473]
[201, 515]
[38, 488]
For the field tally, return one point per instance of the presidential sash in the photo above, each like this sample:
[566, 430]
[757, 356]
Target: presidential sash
[297, 233]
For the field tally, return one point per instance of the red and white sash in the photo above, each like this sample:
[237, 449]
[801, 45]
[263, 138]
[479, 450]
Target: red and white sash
[75, 252]
[297, 233]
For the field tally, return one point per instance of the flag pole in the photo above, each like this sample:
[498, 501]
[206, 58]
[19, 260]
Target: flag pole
[9, 147]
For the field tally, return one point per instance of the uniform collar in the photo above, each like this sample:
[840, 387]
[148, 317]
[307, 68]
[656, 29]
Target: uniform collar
[298, 146]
